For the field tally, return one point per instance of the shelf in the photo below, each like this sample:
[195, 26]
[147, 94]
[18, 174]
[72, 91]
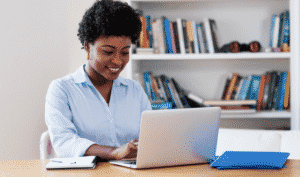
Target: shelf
[263, 114]
[216, 56]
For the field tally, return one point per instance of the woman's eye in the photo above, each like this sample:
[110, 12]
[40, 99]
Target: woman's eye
[107, 52]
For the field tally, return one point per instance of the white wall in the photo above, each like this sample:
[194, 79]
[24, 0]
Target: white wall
[33, 53]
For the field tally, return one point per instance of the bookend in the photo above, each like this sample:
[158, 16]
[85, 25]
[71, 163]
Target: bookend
[236, 47]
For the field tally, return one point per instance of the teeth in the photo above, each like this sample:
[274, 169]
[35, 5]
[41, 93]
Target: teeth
[114, 69]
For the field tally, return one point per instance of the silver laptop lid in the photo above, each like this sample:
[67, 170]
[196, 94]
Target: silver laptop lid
[178, 137]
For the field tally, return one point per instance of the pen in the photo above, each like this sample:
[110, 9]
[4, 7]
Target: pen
[61, 161]
[56, 161]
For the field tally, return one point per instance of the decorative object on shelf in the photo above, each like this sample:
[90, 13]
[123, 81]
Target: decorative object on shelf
[236, 47]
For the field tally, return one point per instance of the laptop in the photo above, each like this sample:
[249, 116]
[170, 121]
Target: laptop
[173, 137]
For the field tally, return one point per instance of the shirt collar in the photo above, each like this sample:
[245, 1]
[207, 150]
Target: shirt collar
[80, 77]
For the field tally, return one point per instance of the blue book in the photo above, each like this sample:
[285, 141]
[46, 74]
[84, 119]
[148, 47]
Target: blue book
[168, 36]
[272, 30]
[147, 85]
[245, 88]
[147, 81]
[250, 160]
[163, 105]
[281, 92]
[286, 28]
[254, 87]
[149, 29]
[280, 35]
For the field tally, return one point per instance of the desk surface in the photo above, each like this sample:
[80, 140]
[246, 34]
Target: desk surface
[37, 168]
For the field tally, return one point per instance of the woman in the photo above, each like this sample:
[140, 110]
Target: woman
[94, 111]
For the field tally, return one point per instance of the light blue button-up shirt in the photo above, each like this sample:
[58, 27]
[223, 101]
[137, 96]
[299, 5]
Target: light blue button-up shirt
[78, 116]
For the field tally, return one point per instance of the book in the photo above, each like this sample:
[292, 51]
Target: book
[261, 93]
[237, 111]
[161, 88]
[276, 32]
[200, 38]
[231, 85]
[165, 83]
[208, 33]
[199, 100]
[286, 28]
[149, 29]
[185, 35]
[86, 162]
[225, 88]
[159, 35]
[162, 105]
[214, 31]
[228, 102]
[278, 105]
[272, 30]
[168, 41]
[241, 83]
[266, 91]
[287, 92]
[180, 35]
[280, 33]
[204, 40]
[254, 87]
[144, 37]
[273, 85]
[176, 37]
[181, 93]
[175, 95]
[190, 34]
[236, 87]
[245, 88]
[172, 37]
[196, 41]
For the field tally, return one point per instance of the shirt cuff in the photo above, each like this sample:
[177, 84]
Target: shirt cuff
[81, 146]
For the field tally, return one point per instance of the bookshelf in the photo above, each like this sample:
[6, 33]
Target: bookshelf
[240, 20]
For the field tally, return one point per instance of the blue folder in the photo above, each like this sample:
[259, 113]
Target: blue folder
[250, 160]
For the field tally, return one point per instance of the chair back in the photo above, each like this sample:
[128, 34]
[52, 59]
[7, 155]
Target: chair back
[46, 149]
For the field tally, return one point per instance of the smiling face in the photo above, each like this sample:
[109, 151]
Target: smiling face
[108, 56]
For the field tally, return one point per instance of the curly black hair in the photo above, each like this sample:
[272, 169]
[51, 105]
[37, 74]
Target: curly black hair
[109, 18]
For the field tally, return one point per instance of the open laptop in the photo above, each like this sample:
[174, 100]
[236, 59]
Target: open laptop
[176, 137]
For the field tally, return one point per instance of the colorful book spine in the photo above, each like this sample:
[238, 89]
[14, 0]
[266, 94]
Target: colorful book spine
[286, 28]
[208, 35]
[287, 91]
[176, 37]
[254, 87]
[245, 88]
[172, 38]
[196, 41]
[149, 29]
[200, 38]
[281, 92]
[272, 30]
[276, 31]
[180, 35]
[168, 35]
[231, 86]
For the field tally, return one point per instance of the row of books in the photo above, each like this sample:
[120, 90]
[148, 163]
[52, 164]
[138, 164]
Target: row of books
[280, 31]
[179, 36]
[166, 93]
[271, 90]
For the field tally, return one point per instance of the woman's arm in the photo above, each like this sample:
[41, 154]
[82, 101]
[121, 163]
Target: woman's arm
[128, 150]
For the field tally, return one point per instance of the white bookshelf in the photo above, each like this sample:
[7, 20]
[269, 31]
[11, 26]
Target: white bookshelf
[240, 20]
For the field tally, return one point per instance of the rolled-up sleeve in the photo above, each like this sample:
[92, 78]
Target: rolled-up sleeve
[59, 119]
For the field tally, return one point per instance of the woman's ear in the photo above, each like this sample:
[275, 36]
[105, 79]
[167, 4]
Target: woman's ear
[86, 47]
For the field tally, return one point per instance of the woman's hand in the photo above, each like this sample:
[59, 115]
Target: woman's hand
[128, 150]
